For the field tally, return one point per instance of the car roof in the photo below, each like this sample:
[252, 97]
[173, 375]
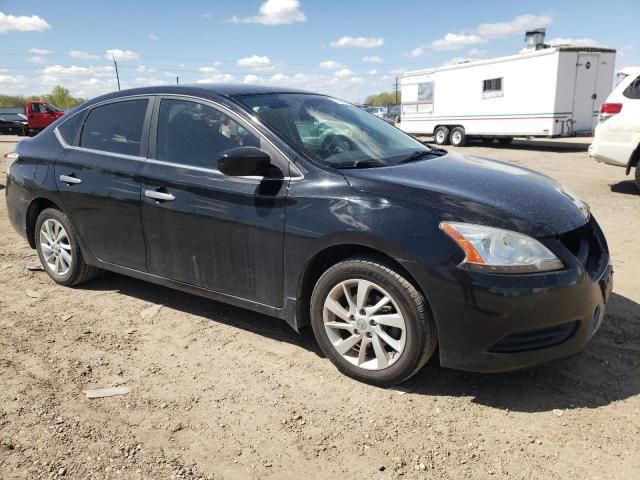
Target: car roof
[212, 90]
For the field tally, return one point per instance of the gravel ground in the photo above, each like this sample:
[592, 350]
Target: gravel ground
[222, 393]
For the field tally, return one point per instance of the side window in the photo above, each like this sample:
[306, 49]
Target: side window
[194, 134]
[70, 126]
[633, 89]
[38, 108]
[425, 92]
[115, 127]
[492, 88]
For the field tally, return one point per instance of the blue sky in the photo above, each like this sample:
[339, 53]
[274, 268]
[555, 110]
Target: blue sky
[345, 48]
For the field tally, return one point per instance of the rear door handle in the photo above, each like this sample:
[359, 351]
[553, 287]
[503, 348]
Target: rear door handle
[70, 179]
[159, 196]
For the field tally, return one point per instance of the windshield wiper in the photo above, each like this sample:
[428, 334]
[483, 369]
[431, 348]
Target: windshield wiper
[418, 154]
[360, 164]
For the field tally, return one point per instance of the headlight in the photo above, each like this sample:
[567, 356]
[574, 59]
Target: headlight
[500, 251]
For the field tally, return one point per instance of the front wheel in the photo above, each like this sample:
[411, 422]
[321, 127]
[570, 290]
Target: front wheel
[371, 322]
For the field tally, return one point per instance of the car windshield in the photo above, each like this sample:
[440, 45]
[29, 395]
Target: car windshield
[333, 132]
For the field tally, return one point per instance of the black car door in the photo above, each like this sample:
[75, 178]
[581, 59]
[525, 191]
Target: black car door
[203, 228]
[98, 179]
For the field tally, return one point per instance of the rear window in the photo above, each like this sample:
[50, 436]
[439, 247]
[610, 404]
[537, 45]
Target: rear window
[633, 89]
[69, 127]
[116, 127]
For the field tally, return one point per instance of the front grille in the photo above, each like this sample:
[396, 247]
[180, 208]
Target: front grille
[536, 339]
[589, 246]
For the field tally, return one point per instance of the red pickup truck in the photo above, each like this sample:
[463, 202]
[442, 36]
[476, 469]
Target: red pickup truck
[40, 115]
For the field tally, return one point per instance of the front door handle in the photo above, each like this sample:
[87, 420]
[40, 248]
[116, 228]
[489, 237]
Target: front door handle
[159, 196]
[70, 179]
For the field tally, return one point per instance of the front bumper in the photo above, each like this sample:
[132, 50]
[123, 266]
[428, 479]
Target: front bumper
[494, 323]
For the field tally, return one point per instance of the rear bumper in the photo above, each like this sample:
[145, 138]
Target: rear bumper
[612, 153]
[494, 323]
[17, 205]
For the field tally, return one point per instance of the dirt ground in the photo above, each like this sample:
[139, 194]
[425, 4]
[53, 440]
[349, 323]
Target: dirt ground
[217, 392]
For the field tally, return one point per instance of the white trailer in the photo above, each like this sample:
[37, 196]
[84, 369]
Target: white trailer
[544, 92]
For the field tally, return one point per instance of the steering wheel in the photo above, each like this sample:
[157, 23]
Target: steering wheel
[335, 144]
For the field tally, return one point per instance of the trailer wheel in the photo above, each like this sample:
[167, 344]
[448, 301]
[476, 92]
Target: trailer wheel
[458, 137]
[441, 136]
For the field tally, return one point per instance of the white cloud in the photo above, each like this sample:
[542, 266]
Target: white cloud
[40, 51]
[397, 71]
[213, 75]
[482, 34]
[22, 23]
[144, 69]
[454, 41]
[343, 73]
[357, 42]
[472, 55]
[207, 16]
[373, 72]
[256, 62]
[275, 12]
[373, 59]
[153, 36]
[121, 55]
[17, 84]
[251, 78]
[81, 81]
[331, 65]
[581, 42]
[419, 51]
[37, 60]
[518, 25]
[81, 55]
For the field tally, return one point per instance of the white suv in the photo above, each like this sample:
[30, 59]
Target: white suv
[617, 136]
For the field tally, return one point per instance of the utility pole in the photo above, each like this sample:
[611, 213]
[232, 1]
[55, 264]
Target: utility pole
[396, 85]
[116, 65]
[177, 80]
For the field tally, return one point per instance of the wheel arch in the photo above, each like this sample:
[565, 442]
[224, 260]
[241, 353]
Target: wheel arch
[33, 211]
[326, 258]
[633, 159]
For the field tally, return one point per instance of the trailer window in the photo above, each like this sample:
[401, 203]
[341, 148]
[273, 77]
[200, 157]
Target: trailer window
[492, 88]
[425, 92]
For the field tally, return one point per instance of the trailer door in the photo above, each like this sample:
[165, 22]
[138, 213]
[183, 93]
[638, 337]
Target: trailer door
[585, 92]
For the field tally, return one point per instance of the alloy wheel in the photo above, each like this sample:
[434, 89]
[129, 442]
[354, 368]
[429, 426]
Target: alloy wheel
[364, 324]
[56, 248]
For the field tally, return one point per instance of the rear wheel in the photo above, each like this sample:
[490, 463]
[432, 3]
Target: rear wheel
[441, 136]
[458, 137]
[371, 322]
[58, 249]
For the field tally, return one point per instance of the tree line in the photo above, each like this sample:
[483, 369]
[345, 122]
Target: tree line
[59, 96]
[383, 99]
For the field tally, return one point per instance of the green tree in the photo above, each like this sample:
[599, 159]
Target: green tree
[383, 99]
[61, 97]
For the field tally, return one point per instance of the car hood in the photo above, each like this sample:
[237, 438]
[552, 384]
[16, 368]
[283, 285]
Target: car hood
[481, 190]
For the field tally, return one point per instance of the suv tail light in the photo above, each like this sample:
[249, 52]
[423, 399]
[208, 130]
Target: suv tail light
[608, 110]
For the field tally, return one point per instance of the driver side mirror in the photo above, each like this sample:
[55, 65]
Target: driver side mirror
[245, 162]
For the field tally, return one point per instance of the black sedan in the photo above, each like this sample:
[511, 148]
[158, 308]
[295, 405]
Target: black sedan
[13, 127]
[305, 208]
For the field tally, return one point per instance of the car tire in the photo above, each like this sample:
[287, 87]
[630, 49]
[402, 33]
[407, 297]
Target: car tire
[505, 140]
[441, 136]
[396, 348]
[458, 137]
[58, 249]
